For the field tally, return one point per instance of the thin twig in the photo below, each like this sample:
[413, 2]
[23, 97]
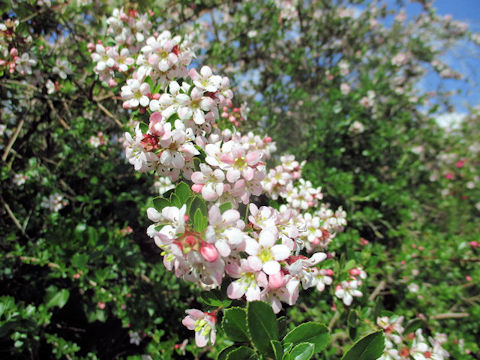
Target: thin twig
[377, 290]
[108, 113]
[60, 119]
[14, 219]
[333, 321]
[36, 260]
[12, 139]
[450, 316]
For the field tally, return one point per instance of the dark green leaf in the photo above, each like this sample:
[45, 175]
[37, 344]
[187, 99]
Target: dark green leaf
[310, 332]
[159, 203]
[303, 351]
[55, 297]
[200, 222]
[277, 349]
[234, 324]
[183, 192]
[224, 353]
[242, 353]
[262, 326]
[369, 347]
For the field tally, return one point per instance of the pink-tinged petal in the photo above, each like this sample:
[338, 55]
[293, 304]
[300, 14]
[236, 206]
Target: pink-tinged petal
[261, 278]
[198, 117]
[231, 216]
[214, 215]
[248, 173]
[252, 247]
[156, 116]
[276, 305]
[253, 157]
[277, 280]
[200, 340]
[253, 293]
[194, 75]
[235, 290]
[198, 177]
[189, 323]
[267, 238]
[209, 193]
[233, 175]
[255, 263]
[280, 252]
[195, 313]
[178, 160]
[219, 189]
[206, 71]
[227, 158]
[271, 267]
[197, 188]
[213, 336]
[154, 215]
[223, 248]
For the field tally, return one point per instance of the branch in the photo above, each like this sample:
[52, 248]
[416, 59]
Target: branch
[377, 290]
[14, 219]
[12, 140]
[108, 113]
[450, 316]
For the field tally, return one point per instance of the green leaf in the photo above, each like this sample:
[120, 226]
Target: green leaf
[222, 355]
[54, 297]
[369, 347]
[413, 325]
[242, 353]
[282, 326]
[160, 202]
[303, 351]
[277, 349]
[310, 332]
[234, 324]
[183, 192]
[197, 203]
[175, 201]
[200, 222]
[262, 326]
[214, 298]
[143, 127]
[225, 206]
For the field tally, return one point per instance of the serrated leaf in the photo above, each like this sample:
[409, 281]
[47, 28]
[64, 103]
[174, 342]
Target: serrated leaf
[160, 202]
[54, 297]
[262, 326]
[303, 351]
[234, 323]
[413, 325]
[222, 355]
[309, 332]
[183, 192]
[200, 222]
[175, 200]
[198, 203]
[369, 347]
[225, 206]
[277, 349]
[242, 353]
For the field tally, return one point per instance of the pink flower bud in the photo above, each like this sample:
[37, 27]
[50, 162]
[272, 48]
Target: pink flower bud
[276, 281]
[112, 83]
[449, 176]
[90, 47]
[267, 140]
[473, 243]
[156, 126]
[197, 188]
[354, 272]
[101, 305]
[156, 96]
[468, 278]
[209, 252]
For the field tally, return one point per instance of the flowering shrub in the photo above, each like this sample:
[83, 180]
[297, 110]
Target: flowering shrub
[335, 86]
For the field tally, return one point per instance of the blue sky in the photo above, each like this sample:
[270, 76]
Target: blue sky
[465, 58]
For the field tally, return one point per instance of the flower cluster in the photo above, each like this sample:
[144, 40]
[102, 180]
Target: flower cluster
[199, 227]
[401, 346]
[10, 58]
